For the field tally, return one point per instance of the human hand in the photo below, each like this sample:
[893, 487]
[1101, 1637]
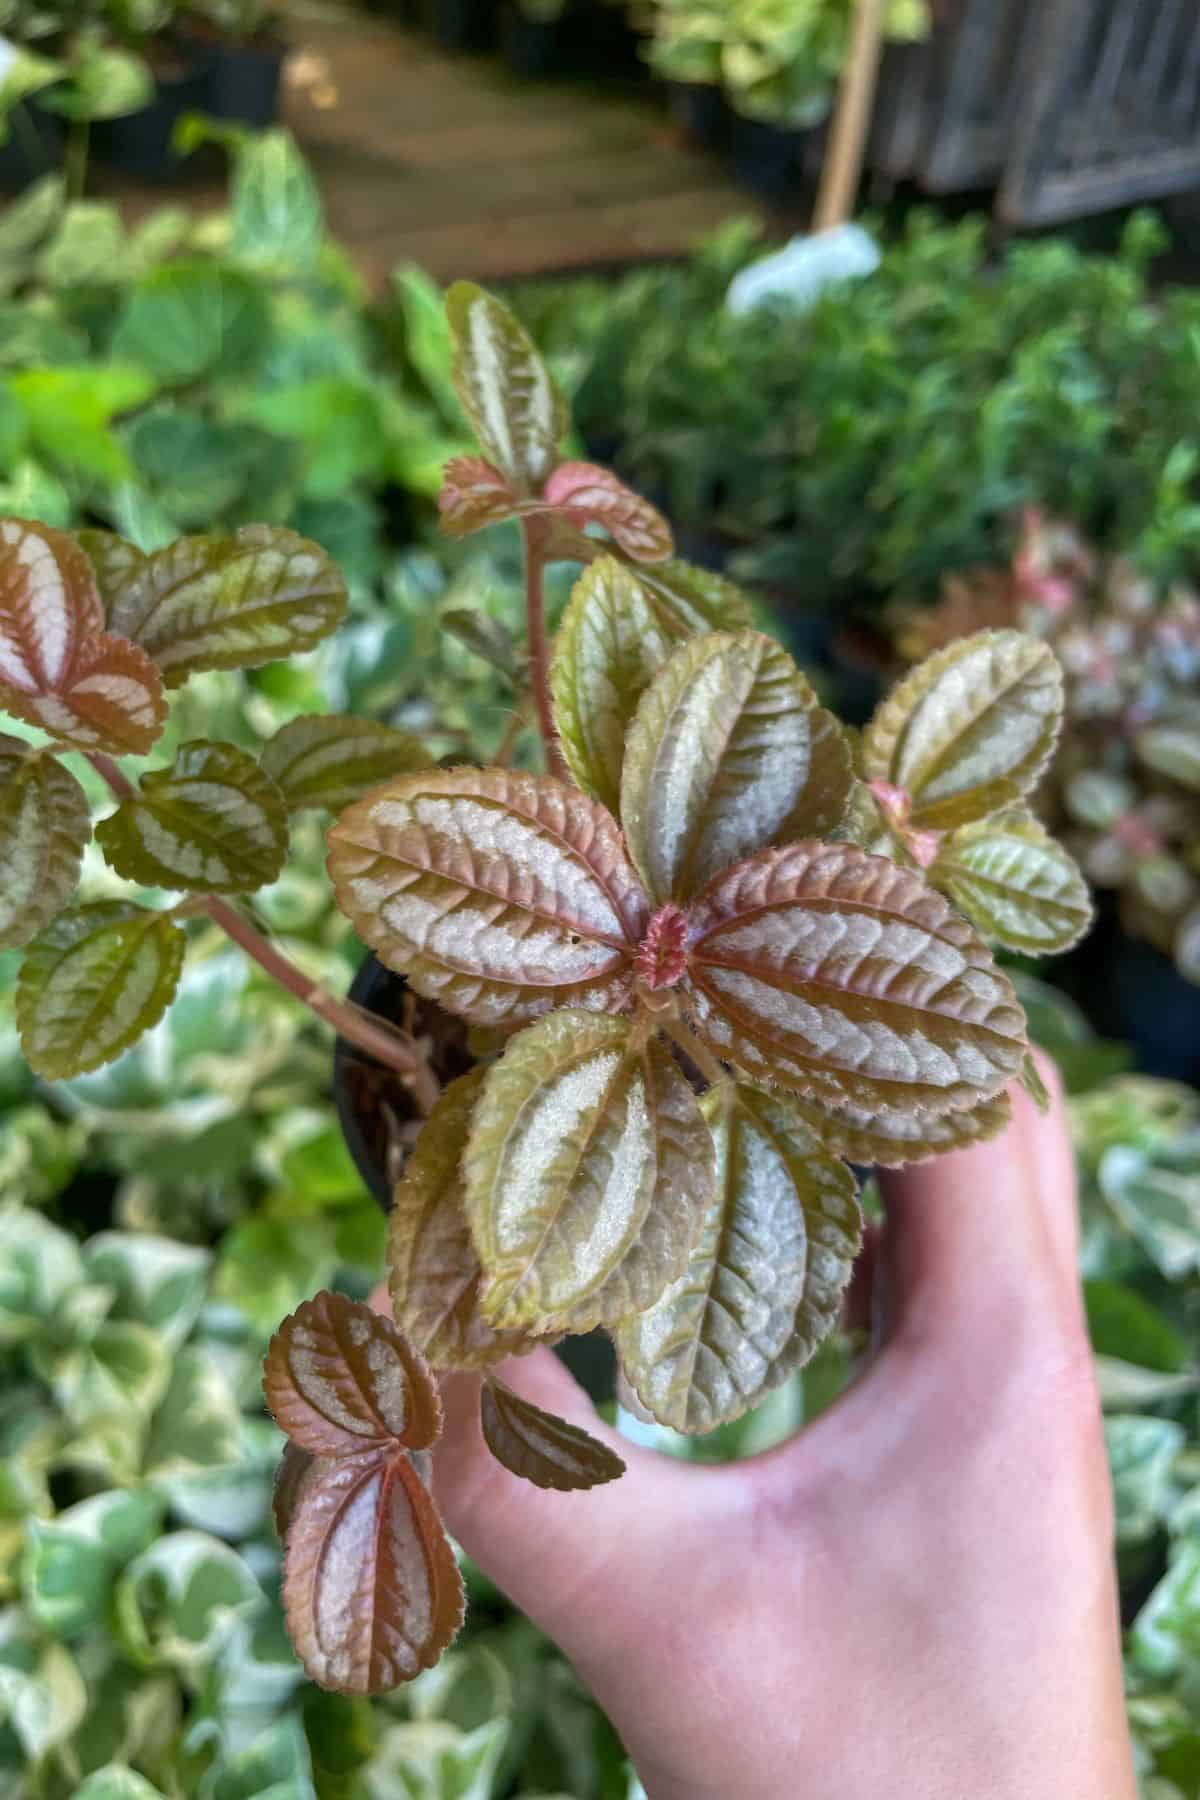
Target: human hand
[915, 1596]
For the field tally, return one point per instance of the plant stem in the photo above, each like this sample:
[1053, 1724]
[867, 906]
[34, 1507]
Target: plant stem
[512, 731]
[76, 159]
[533, 535]
[387, 1045]
[695, 1051]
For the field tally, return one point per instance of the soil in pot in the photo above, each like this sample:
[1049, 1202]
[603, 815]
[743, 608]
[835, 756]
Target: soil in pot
[33, 148]
[380, 1122]
[699, 110]
[140, 144]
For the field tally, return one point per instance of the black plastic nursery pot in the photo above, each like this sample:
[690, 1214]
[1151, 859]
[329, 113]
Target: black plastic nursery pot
[531, 47]
[380, 1122]
[141, 143]
[34, 146]
[699, 110]
[459, 24]
[244, 82]
[769, 159]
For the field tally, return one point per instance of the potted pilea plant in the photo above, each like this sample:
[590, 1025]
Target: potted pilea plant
[684, 51]
[685, 976]
[244, 52]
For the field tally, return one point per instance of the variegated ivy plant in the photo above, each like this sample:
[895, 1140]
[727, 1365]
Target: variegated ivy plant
[716, 953]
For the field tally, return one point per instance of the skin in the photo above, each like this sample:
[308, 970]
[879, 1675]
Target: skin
[914, 1595]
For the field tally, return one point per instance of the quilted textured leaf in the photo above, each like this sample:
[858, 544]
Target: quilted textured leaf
[214, 602]
[49, 606]
[837, 974]
[765, 1282]
[92, 983]
[1015, 884]
[111, 699]
[505, 387]
[473, 495]
[371, 1590]
[587, 1174]
[590, 495]
[688, 599]
[609, 647]
[892, 1137]
[434, 1273]
[45, 822]
[212, 823]
[340, 1378]
[498, 894]
[330, 760]
[718, 758]
[970, 729]
[540, 1447]
[296, 1471]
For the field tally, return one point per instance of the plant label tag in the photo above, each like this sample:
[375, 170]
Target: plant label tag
[804, 268]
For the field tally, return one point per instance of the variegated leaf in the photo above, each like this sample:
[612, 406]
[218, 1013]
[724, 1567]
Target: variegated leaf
[970, 730]
[1015, 884]
[498, 894]
[45, 822]
[112, 699]
[540, 1447]
[434, 1274]
[689, 599]
[589, 495]
[212, 823]
[296, 1470]
[330, 760]
[92, 983]
[474, 495]
[371, 1589]
[215, 602]
[718, 761]
[588, 1171]
[504, 386]
[609, 647]
[838, 974]
[891, 1137]
[340, 1378]
[765, 1282]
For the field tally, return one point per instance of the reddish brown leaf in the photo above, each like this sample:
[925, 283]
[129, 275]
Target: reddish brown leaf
[589, 495]
[340, 1378]
[474, 494]
[371, 1590]
[297, 1469]
[540, 1447]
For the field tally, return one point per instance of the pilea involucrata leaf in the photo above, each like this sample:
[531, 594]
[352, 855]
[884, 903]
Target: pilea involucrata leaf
[835, 973]
[690, 599]
[588, 1171]
[765, 1282]
[213, 823]
[44, 824]
[969, 730]
[609, 647]
[434, 1274]
[371, 1590]
[473, 495]
[718, 760]
[59, 668]
[497, 893]
[504, 386]
[330, 760]
[1015, 884]
[892, 1137]
[93, 982]
[214, 602]
[540, 1447]
[340, 1378]
[589, 495]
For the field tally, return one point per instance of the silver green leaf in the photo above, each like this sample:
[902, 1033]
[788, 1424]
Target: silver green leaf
[1015, 884]
[689, 599]
[891, 1137]
[330, 760]
[506, 390]
[45, 821]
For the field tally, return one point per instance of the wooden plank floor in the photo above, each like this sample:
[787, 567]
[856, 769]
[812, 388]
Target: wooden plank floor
[451, 162]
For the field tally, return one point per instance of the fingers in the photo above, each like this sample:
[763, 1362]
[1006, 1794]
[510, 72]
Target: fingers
[981, 1244]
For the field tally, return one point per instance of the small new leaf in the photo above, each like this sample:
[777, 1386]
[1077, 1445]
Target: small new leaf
[224, 602]
[505, 388]
[1015, 884]
[44, 824]
[371, 1589]
[589, 495]
[331, 760]
[765, 1282]
[834, 973]
[474, 495]
[92, 983]
[970, 730]
[498, 894]
[718, 762]
[212, 823]
[540, 1447]
[890, 1137]
[340, 1378]
[434, 1274]
[609, 647]
[587, 1174]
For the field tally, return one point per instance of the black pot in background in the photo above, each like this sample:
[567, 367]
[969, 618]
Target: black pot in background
[140, 143]
[459, 24]
[532, 47]
[244, 82]
[1156, 1011]
[769, 158]
[360, 1084]
[699, 109]
[34, 146]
